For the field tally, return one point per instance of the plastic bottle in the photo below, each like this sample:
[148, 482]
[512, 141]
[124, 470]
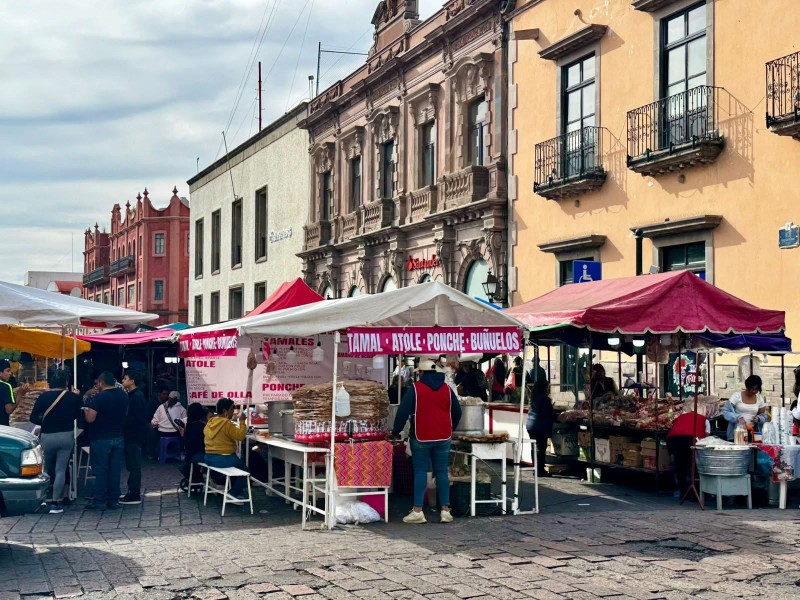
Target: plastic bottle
[342, 402]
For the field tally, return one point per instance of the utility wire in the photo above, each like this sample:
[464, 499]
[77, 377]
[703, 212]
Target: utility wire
[286, 41]
[299, 56]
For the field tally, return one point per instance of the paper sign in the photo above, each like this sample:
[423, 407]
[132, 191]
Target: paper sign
[371, 341]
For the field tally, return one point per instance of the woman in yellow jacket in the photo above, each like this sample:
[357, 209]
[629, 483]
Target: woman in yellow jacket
[221, 437]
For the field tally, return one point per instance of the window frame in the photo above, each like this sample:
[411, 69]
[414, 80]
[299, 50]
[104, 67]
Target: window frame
[567, 90]
[198, 308]
[326, 204]
[216, 241]
[478, 129]
[427, 156]
[214, 307]
[162, 235]
[156, 299]
[356, 182]
[199, 241]
[388, 168]
[665, 48]
[231, 291]
[237, 233]
[256, 288]
[261, 216]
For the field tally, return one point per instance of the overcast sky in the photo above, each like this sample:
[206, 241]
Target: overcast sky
[100, 99]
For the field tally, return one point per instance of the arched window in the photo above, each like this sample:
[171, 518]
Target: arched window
[476, 277]
[327, 293]
[425, 278]
[354, 291]
[389, 285]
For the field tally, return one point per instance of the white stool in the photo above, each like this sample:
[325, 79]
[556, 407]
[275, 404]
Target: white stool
[226, 497]
[726, 485]
[191, 476]
[87, 451]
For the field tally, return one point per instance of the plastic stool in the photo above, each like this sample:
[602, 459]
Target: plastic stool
[170, 449]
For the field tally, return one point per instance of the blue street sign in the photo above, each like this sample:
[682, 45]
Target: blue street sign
[789, 237]
[586, 270]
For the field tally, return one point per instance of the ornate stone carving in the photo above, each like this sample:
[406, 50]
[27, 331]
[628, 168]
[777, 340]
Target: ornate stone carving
[424, 105]
[456, 6]
[384, 125]
[329, 95]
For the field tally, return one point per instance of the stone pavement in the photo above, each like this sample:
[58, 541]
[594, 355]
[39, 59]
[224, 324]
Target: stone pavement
[588, 542]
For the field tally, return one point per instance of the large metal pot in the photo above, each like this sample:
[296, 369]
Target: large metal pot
[728, 461]
[287, 423]
[472, 419]
[274, 415]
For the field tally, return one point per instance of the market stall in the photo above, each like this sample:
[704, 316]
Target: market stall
[429, 317]
[654, 314]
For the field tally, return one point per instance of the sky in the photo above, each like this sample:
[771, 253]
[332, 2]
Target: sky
[101, 99]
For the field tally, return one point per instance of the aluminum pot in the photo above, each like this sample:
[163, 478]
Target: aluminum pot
[287, 423]
[472, 419]
[274, 415]
[733, 461]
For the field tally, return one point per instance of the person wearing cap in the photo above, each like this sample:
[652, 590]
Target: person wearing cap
[167, 416]
[7, 400]
[470, 379]
[434, 411]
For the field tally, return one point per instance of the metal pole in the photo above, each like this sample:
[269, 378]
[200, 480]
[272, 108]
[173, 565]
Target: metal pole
[259, 97]
[330, 505]
[521, 431]
[319, 58]
[783, 380]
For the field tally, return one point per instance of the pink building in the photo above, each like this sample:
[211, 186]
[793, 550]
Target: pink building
[143, 263]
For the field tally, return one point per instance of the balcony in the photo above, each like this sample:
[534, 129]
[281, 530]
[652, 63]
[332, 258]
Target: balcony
[783, 96]
[421, 204]
[675, 133]
[465, 187]
[377, 215]
[316, 235]
[570, 164]
[99, 275]
[348, 226]
[122, 266]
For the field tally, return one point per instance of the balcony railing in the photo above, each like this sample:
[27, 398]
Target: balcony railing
[317, 234]
[122, 266]
[377, 214]
[466, 186]
[675, 132]
[570, 164]
[422, 203]
[349, 226]
[99, 275]
[783, 95]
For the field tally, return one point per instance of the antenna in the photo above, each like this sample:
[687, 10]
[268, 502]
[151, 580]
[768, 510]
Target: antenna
[259, 100]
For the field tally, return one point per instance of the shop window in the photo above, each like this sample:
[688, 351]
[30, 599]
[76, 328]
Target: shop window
[327, 196]
[216, 240]
[214, 307]
[389, 284]
[235, 302]
[260, 293]
[159, 244]
[387, 169]
[477, 130]
[691, 257]
[158, 290]
[198, 310]
[476, 277]
[428, 158]
[236, 234]
[355, 183]
[261, 225]
[198, 248]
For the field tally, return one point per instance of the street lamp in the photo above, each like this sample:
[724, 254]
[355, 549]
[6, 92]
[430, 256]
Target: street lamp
[494, 288]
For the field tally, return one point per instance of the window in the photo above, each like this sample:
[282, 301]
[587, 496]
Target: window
[140, 245]
[261, 224]
[198, 310]
[690, 257]
[158, 290]
[326, 210]
[121, 296]
[566, 270]
[235, 302]
[216, 232]
[132, 294]
[579, 151]
[159, 244]
[214, 307]
[389, 285]
[428, 162]
[478, 128]
[476, 277]
[260, 293]
[134, 248]
[387, 169]
[355, 183]
[236, 233]
[198, 248]
[354, 291]
[106, 298]
[327, 293]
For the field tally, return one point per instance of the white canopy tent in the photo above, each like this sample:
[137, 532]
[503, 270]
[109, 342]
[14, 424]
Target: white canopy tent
[432, 304]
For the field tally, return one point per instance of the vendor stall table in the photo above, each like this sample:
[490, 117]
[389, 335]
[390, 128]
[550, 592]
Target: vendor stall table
[786, 466]
[484, 451]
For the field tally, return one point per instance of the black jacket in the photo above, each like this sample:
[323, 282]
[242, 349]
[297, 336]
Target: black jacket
[136, 422]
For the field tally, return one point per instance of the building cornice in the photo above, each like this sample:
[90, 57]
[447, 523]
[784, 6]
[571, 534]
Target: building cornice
[651, 5]
[586, 242]
[678, 227]
[575, 41]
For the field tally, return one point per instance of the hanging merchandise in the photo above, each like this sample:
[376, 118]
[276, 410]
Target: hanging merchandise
[749, 365]
[342, 402]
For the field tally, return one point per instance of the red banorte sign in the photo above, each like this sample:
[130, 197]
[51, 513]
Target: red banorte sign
[212, 343]
[416, 264]
[371, 341]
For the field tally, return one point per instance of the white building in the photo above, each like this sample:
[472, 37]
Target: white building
[244, 247]
[63, 282]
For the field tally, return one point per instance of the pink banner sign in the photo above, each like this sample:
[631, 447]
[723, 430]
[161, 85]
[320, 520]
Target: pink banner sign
[370, 341]
[211, 343]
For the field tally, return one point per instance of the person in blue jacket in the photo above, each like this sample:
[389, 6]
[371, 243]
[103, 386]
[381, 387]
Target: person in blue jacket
[435, 412]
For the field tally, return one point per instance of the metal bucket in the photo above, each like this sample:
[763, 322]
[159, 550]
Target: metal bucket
[713, 461]
[287, 423]
[274, 415]
[472, 419]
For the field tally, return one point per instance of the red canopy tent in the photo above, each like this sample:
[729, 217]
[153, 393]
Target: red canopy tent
[288, 295]
[661, 303]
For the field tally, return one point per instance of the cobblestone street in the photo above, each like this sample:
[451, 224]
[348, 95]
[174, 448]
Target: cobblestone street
[589, 542]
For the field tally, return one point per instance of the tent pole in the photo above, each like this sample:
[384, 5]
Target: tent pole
[591, 409]
[75, 358]
[330, 507]
[521, 432]
[619, 369]
[692, 487]
[783, 380]
[549, 377]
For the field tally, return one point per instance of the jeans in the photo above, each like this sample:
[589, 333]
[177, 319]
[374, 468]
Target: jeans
[423, 454]
[133, 462]
[107, 457]
[222, 461]
[541, 442]
[57, 451]
[680, 447]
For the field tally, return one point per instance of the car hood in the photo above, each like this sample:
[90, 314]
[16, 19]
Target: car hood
[25, 439]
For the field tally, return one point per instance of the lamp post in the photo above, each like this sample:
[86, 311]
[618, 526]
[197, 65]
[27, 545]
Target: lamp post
[494, 288]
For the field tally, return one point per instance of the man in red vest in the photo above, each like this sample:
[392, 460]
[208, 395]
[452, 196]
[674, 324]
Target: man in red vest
[434, 411]
[684, 433]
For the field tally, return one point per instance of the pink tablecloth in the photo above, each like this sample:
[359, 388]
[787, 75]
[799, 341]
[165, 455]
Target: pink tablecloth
[363, 464]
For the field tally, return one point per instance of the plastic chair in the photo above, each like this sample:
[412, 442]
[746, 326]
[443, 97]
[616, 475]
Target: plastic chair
[170, 449]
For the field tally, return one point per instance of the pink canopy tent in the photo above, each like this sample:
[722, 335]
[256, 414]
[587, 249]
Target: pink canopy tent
[288, 295]
[661, 303]
[130, 339]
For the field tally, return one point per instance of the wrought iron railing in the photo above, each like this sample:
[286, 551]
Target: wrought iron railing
[685, 119]
[783, 89]
[121, 266]
[96, 276]
[571, 156]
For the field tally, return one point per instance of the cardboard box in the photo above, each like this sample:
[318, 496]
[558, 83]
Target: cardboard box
[565, 444]
[649, 457]
[584, 438]
[632, 457]
[649, 445]
[602, 450]
[618, 444]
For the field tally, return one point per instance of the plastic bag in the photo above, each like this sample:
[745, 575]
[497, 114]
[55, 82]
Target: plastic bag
[355, 511]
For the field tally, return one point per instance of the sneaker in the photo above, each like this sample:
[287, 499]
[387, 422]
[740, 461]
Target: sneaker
[113, 505]
[446, 516]
[130, 499]
[415, 517]
[56, 508]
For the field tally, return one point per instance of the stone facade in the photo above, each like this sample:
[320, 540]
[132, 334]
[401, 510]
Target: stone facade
[388, 209]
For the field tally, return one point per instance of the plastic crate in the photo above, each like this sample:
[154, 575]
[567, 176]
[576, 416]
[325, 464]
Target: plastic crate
[460, 498]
